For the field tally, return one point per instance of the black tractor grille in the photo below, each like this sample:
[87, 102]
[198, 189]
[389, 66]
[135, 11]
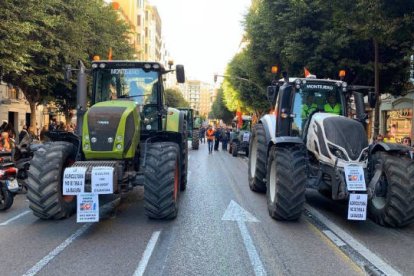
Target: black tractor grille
[102, 124]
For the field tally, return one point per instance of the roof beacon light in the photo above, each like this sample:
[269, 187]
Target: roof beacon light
[342, 73]
[96, 58]
[275, 69]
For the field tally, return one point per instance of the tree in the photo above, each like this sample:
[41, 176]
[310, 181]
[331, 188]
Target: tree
[174, 98]
[57, 32]
[219, 109]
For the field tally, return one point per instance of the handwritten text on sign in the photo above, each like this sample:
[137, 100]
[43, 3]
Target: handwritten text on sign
[357, 207]
[102, 180]
[74, 180]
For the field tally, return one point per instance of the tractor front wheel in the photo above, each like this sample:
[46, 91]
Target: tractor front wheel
[286, 182]
[392, 203]
[235, 149]
[6, 197]
[45, 181]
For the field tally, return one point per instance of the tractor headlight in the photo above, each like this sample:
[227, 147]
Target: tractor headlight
[93, 140]
[337, 152]
[86, 146]
[119, 138]
[110, 140]
[119, 146]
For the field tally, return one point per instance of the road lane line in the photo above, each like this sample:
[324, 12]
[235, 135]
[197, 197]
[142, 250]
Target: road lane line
[147, 254]
[251, 250]
[353, 243]
[49, 257]
[235, 212]
[334, 238]
[14, 218]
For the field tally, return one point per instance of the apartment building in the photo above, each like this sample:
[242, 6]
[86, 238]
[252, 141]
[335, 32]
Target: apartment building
[198, 95]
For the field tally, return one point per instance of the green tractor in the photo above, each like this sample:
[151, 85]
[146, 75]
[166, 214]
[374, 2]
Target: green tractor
[193, 127]
[126, 138]
[240, 137]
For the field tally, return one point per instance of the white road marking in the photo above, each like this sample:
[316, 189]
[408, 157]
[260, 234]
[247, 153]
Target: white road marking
[334, 238]
[235, 212]
[14, 218]
[357, 246]
[147, 254]
[49, 257]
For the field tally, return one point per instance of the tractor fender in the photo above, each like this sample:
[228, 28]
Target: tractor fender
[388, 147]
[269, 124]
[175, 120]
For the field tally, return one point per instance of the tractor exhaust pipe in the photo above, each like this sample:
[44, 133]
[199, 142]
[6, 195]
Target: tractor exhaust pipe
[81, 97]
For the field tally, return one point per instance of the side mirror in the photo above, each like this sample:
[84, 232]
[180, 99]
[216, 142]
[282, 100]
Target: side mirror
[179, 71]
[359, 106]
[272, 93]
[68, 72]
[372, 99]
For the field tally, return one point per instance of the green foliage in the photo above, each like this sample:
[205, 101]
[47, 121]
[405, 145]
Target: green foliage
[324, 36]
[219, 109]
[38, 37]
[174, 98]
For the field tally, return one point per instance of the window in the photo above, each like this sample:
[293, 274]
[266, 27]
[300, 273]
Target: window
[146, 32]
[139, 20]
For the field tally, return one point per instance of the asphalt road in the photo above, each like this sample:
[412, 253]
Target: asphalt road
[222, 229]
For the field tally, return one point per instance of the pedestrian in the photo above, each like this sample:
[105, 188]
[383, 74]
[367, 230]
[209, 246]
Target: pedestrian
[6, 144]
[23, 133]
[224, 139]
[379, 138]
[217, 135]
[202, 134]
[210, 139]
[43, 132]
[406, 141]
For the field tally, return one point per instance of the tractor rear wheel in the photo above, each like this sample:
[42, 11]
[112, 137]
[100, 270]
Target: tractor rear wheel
[235, 149]
[257, 160]
[6, 197]
[195, 143]
[162, 180]
[45, 181]
[286, 182]
[392, 203]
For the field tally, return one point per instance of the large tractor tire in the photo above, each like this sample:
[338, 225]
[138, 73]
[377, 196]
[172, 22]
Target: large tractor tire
[184, 159]
[235, 149]
[392, 203]
[162, 180]
[6, 198]
[195, 142]
[45, 181]
[257, 160]
[286, 182]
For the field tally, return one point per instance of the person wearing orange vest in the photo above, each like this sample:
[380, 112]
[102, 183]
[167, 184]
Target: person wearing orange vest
[210, 139]
[332, 106]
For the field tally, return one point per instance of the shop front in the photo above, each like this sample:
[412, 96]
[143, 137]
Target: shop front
[397, 116]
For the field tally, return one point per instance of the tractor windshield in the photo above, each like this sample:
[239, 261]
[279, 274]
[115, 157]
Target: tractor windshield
[133, 83]
[312, 97]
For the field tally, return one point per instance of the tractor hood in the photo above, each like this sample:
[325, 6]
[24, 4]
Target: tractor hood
[346, 133]
[111, 130]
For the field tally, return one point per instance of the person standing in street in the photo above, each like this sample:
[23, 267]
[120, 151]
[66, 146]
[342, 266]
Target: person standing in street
[210, 139]
[217, 140]
[202, 134]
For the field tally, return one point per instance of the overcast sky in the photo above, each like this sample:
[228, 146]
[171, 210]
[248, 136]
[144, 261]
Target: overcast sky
[203, 35]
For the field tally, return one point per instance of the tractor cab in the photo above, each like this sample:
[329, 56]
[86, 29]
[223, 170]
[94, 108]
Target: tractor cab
[300, 98]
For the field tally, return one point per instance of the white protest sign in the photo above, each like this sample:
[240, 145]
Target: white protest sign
[246, 137]
[357, 207]
[87, 208]
[354, 177]
[74, 180]
[102, 180]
